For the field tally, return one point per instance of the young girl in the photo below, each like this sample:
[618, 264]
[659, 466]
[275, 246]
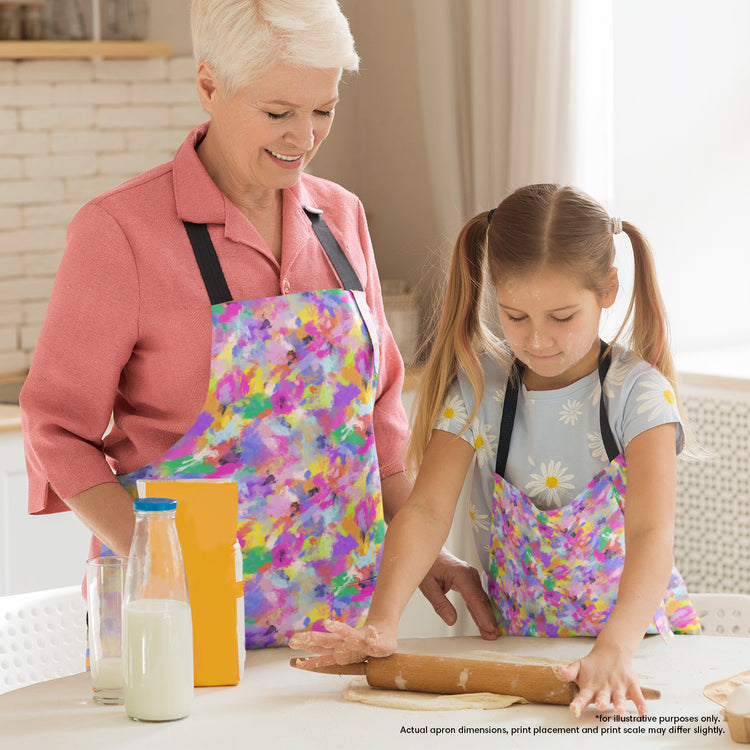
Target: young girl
[554, 419]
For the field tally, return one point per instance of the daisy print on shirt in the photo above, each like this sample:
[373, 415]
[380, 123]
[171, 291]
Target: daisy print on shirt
[454, 409]
[656, 400]
[618, 371]
[485, 444]
[479, 521]
[596, 447]
[571, 412]
[551, 487]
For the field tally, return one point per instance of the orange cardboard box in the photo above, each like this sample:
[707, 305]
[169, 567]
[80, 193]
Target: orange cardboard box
[206, 523]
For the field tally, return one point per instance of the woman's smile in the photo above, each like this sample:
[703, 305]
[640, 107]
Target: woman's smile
[287, 161]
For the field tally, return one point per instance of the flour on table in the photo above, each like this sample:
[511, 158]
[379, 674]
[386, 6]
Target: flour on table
[359, 691]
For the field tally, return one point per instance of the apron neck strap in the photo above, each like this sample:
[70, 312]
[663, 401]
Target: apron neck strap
[213, 275]
[349, 279]
[510, 403]
[208, 263]
[610, 444]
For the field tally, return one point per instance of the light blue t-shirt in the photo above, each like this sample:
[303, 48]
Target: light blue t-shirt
[556, 447]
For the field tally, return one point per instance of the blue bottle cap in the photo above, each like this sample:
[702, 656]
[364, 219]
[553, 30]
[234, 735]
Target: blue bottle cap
[154, 503]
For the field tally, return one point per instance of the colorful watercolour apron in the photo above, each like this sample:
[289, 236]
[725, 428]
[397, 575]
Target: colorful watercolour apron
[556, 572]
[288, 417]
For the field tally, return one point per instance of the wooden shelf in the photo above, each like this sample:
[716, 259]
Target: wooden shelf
[68, 50]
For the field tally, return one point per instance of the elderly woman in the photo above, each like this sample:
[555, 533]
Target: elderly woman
[225, 309]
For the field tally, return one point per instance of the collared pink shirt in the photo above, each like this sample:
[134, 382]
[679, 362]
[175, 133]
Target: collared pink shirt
[128, 327]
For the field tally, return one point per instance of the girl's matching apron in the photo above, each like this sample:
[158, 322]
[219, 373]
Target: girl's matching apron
[556, 572]
[288, 417]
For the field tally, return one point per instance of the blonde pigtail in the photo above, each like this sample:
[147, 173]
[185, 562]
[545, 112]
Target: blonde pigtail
[460, 335]
[649, 327]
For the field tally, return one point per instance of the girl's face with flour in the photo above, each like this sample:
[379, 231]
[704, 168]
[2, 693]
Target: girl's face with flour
[551, 321]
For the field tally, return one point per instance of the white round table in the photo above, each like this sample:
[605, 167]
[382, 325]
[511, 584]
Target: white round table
[275, 706]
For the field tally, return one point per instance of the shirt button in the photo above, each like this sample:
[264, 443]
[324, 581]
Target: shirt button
[286, 286]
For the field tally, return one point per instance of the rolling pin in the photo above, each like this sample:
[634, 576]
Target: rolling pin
[449, 675]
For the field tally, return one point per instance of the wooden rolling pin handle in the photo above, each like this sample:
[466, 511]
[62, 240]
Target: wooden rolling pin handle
[359, 668]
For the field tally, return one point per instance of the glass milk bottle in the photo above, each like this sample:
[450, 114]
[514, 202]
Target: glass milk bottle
[157, 645]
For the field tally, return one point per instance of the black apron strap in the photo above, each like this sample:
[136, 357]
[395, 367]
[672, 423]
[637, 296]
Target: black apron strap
[610, 444]
[336, 255]
[510, 403]
[213, 276]
[208, 263]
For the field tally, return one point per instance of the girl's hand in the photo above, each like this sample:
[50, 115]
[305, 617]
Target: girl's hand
[605, 677]
[342, 644]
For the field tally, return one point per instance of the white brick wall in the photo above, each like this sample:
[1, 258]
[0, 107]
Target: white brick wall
[69, 130]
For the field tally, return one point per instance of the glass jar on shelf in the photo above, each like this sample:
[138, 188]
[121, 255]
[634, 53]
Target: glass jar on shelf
[32, 19]
[10, 21]
[66, 20]
[124, 19]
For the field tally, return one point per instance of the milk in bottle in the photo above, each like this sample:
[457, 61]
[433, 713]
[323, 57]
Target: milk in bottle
[157, 627]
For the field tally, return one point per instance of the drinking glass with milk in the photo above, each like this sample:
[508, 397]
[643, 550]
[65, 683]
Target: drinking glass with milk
[105, 583]
[157, 639]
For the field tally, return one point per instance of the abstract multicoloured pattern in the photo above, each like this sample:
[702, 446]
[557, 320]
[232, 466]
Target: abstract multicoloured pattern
[556, 572]
[288, 417]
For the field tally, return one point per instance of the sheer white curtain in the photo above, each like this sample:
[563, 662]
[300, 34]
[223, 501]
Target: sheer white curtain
[514, 91]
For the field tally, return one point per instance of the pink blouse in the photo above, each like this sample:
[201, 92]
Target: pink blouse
[128, 328]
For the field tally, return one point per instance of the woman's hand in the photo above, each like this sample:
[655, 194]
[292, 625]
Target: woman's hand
[343, 644]
[448, 573]
[605, 677]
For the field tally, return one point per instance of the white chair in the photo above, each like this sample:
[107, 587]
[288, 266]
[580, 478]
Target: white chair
[723, 614]
[42, 636]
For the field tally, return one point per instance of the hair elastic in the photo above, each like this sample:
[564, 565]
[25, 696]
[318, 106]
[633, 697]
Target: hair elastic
[616, 225]
[490, 214]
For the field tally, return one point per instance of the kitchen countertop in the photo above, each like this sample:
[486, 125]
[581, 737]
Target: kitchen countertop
[277, 706]
[10, 417]
[10, 413]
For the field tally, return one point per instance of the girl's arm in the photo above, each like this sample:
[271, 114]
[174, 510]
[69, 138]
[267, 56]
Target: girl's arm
[412, 542]
[447, 573]
[606, 675]
[419, 530]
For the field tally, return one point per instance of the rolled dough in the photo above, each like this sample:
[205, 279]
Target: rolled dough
[406, 700]
[720, 691]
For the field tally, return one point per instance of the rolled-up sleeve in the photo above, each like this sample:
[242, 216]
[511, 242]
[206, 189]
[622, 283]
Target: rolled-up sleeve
[87, 337]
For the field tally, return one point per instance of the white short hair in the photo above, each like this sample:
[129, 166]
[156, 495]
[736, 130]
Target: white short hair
[242, 39]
